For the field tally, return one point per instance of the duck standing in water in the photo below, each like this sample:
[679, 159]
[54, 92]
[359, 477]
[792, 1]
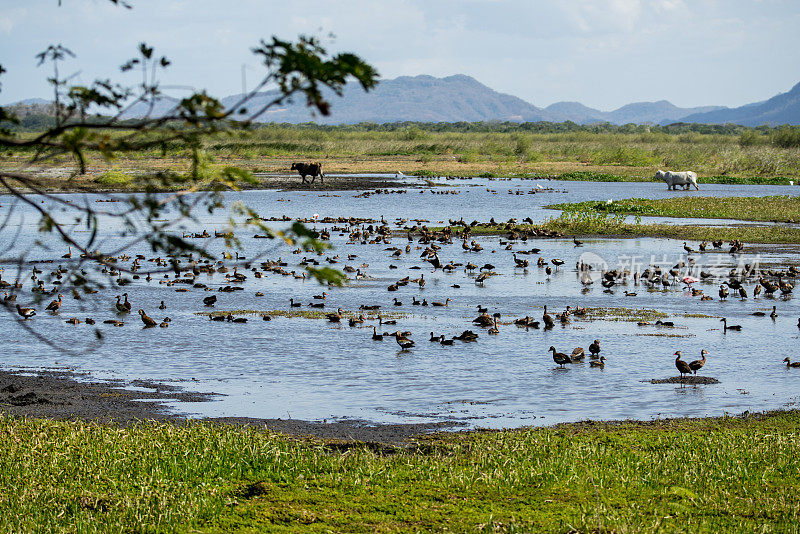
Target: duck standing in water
[683, 367]
[146, 319]
[698, 364]
[26, 313]
[559, 357]
[403, 341]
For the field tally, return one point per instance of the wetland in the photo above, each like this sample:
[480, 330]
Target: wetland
[300, 365]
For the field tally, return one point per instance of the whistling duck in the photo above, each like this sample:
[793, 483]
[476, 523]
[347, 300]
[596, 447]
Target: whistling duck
[494, 330]
[683, 367]
[466, 335]
[559, 357]
[114, 322]
[68, 254]
[790, 363]
[356, 320]
[444, 341]
[89, 320]
[548, 321]
[316, 304]
[668, 324]
[321, 297]
[598, 363]
[483, 320]
[162, 306]
[441, 304]
[742, 293]
[578, 354]
[726, 326]
[26, 313]
[126, 303]
[335, 317]
[209, 301]
[577, 243]
[148, 322]
[434, 338]
[397, 302]
[120, 306]
[55, 305]
[594, 349]
[723, 292]
[388, 321]
[525, 321]
[375, 335]
[557, 262]
[73, 320]
[698, 364]
[774, 313]
[403, 341]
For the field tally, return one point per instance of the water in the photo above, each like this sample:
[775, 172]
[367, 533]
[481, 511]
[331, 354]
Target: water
[312, 369]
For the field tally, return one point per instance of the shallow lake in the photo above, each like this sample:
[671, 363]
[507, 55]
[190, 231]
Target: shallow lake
[313, 369]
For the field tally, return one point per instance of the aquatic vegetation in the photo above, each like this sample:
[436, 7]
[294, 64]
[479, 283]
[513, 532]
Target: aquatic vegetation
[114, 177]
[772, 208]
[623, 314]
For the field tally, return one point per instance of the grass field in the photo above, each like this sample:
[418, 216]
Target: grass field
[580, 155]
[775, 208]
[713, 475]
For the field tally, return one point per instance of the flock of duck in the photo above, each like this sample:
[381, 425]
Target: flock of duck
[514, 239]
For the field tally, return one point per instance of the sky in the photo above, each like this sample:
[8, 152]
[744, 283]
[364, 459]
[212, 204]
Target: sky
[602, 53]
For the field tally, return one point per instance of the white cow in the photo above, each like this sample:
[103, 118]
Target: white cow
[674, 179]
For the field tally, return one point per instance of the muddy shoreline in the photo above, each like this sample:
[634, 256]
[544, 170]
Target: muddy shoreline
[280, 182]
[64, 394]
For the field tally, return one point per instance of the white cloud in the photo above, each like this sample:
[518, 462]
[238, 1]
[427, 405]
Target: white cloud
[6, 25]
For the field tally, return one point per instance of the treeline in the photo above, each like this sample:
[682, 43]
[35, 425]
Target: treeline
[784, 136]
[539, 127]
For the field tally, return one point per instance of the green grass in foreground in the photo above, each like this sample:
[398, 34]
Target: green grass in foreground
[708, 475]
[774, 208]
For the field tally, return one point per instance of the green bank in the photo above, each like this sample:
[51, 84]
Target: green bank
[709, 475]
[771, 208]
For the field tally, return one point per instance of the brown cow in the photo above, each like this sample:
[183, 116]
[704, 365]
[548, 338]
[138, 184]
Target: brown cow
[309, 169]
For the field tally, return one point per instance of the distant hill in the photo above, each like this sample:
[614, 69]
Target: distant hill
[781, 109]
[575, 112]
[418, 98]
[660, 112]
[461, 98]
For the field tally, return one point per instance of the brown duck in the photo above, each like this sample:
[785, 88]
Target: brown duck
[559, 357]
[683, 367]
[146, 319]
[698, 364]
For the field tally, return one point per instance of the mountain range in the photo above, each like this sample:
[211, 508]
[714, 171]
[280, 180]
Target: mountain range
[460, 98]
